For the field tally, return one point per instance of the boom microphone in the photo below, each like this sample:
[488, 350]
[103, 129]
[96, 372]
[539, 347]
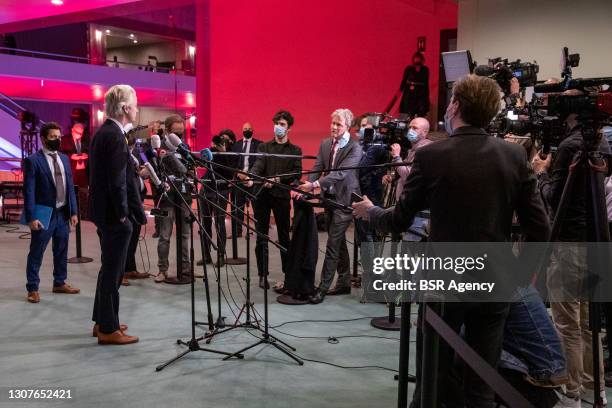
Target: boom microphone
[484, 70]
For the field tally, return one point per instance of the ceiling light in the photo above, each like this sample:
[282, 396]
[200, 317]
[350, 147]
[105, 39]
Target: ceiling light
[131, 35]
[135, 41]
[57, 2]
[108, 31]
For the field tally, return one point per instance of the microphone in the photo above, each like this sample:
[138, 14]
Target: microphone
[153, 174]
[155, 141]
[206, 154]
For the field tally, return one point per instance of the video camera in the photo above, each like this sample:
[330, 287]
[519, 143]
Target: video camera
[387, 131]
[503, 71]
[544, 117]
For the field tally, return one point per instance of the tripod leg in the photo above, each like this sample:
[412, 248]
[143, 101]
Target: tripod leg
[244, 349]
[297, 360]
[167, 363]
[276, 339]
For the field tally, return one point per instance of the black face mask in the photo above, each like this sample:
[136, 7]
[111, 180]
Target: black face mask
[53, 145]
[247, 134]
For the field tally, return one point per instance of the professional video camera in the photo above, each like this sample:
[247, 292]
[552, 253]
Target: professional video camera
[387, 131]
[503, 71]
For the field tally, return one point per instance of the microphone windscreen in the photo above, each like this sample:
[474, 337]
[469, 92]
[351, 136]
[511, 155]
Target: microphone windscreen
[155, 142]
[152, 174]
[547, 88]
[174, 140]
[206, 154]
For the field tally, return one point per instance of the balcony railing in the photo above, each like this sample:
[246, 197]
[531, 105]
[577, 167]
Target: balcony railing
[85, 60]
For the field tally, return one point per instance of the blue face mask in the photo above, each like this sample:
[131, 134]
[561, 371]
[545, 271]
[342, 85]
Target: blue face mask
[606, 131]
[447, 125]
[413, 136]
[280, 131]
[361, 132]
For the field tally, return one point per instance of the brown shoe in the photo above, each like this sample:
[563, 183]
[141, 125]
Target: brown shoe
[125, 281]
[94, 332]
[136, 275]
[33, 297]
[66, 288]
[117, 338]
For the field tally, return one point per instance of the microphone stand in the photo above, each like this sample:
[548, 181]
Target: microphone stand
[193, 343]
[267, 338]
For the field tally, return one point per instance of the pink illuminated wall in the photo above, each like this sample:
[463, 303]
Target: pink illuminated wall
[313, 57]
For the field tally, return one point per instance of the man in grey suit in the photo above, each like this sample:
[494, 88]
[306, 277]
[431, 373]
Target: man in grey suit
[337, 151]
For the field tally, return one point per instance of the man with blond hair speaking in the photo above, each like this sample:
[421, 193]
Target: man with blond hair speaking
[336, 152]
[115, 208]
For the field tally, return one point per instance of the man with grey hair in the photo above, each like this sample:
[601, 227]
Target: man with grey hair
[115, 208]
[336, 152]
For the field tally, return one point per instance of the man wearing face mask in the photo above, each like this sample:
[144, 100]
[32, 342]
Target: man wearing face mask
[115, 207]
[272, 198]
[417, 136]
[248, 144]
[172, 166]
[335, 152]
[458, 179]
[47, 181]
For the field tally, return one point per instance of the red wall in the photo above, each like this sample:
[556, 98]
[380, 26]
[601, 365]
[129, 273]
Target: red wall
[312, 57]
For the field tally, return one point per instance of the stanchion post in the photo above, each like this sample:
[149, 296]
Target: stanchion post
[431, 348]
[79, 258]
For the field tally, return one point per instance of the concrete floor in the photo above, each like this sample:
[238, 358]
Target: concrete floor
[49, 345]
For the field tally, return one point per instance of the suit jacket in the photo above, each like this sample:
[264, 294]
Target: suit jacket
[341, 183]
[473, 183]
[237, 148]
[39, 188]
[68, 146]
[113, 178]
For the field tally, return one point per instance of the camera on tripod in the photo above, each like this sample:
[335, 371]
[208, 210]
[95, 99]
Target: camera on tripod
[387, 132]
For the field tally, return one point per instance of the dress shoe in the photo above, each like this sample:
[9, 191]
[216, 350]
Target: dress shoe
[33, 297]
[125, 281]
[94, 332]
[343, 290]
[136, 275]
[263, 283]
[173, 280]
[66, 288]
[117, 338]
[318, 297]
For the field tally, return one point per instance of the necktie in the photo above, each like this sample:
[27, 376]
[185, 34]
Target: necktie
[60, 191]
[243, 159]
[78, 146]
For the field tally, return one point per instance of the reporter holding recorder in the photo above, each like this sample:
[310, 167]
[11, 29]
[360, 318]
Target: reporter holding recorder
[115, 208]
[473, 184]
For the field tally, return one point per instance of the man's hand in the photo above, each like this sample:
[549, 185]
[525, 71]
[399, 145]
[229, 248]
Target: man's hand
[267, 184]
[144, 173]
[74, 220]
[395, 149]
[387, 179]
[307, 186]
[35, 225]
[242, 176]
[249, 183]
[515, 87]
[123, 220]
[541, 165]
[295, 195]
[360, 209]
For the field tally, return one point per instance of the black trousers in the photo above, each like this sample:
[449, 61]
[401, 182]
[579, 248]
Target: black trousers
[459, 386]
[281, 209]
[130, 260]
[210, 211]
[114, 242]
[240, 200]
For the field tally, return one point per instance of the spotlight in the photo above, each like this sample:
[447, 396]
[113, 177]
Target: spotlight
[108, 31]
[131, 35]
[135, 41]
[57, 2]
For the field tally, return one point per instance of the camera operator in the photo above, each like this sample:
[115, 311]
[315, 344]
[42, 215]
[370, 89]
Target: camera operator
[170, 202]
[458, 179]
[569, 265]
[335, 152]
[210, 197]
[370, 184]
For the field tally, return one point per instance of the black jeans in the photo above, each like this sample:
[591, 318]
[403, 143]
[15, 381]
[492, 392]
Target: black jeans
[114, 241]
[458, 385]
[281, 209]
[213, 206]
[240, 200]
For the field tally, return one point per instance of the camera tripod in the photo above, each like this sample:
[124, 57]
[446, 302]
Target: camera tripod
[593, 165]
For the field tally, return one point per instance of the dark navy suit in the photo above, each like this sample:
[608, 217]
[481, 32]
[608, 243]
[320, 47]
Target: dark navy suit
[115, 207]
[39, 188]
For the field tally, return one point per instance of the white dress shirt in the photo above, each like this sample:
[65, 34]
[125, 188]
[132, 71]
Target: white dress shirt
[48, 153]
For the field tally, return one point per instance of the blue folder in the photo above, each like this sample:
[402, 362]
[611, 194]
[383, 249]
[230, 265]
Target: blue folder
[42, 213]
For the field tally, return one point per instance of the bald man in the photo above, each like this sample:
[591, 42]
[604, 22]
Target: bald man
[418, 131]
[248, 144]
